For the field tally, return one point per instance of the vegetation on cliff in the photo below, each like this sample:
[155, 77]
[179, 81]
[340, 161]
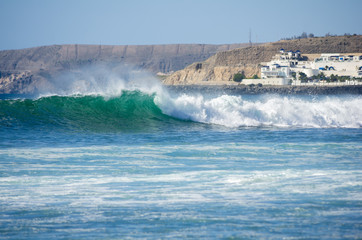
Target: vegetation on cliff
[238, 77]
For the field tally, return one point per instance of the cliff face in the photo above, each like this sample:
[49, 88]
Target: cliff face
[22, 70]
[224, 65]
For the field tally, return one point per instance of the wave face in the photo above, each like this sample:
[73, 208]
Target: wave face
[266, 111]
[133, 110]
[137, 111]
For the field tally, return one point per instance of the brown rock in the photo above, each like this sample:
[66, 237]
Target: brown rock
[45, 62]
[222, 66]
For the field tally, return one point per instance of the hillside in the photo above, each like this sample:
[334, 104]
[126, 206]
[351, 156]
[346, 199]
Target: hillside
[21, 71]
[221, 67]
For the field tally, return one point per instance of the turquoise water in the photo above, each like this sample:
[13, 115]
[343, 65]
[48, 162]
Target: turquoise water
[154, 165]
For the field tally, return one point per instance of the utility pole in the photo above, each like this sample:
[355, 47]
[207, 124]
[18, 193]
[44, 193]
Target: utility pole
[250, 43]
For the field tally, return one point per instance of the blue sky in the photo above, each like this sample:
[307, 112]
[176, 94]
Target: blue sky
[31, 23]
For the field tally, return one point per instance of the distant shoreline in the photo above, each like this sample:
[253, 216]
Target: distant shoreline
[284, 90]
[242, 90]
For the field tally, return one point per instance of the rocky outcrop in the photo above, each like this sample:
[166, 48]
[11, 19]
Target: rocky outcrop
[42, 63]
[17, 81]
[222, 66]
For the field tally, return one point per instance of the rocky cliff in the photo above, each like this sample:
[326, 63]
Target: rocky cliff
[221, 67]
[21, 71]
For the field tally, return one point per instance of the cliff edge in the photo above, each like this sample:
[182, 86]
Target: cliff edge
[22, 71]
[221, 67]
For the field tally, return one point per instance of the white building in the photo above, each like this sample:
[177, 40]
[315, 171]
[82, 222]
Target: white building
[283, 65]
[280, 70]
[275, 71]
[338, 64]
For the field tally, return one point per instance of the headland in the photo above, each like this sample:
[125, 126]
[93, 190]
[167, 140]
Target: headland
[190, 66]
[248, 62]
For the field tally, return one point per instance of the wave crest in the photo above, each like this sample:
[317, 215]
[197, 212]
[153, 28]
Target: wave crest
[132, 111]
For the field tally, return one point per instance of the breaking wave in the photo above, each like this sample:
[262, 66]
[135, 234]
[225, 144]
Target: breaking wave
[100, 102]
[272, 110]
[137, 110]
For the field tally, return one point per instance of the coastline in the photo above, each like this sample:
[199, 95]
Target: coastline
[283, 90]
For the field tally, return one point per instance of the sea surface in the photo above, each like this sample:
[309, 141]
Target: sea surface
[146, 163]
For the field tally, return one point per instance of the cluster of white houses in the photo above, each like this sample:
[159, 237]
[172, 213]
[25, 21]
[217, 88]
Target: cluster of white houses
[285, 68]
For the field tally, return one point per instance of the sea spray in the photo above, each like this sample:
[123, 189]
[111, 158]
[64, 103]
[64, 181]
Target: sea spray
[101, 80]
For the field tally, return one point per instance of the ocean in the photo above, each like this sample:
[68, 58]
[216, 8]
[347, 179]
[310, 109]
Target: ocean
[149, 163]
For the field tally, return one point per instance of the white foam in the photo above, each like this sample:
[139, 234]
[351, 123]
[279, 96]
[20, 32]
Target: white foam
[234, 186]
[279, 111]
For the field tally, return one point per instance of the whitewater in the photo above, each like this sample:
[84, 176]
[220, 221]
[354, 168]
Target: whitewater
[96, 157]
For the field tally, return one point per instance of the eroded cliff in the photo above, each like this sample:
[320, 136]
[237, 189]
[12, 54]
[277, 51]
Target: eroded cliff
[22, 71]
[221, 67]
